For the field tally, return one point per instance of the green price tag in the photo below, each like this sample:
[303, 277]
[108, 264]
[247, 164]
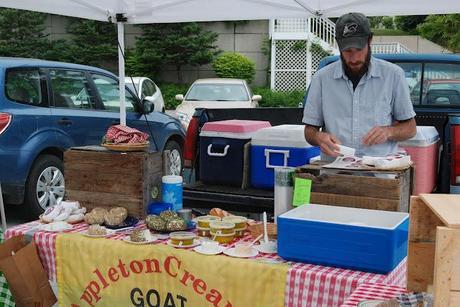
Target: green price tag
[302, 191]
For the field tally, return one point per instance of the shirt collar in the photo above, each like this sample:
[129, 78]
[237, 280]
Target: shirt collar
[374, 70]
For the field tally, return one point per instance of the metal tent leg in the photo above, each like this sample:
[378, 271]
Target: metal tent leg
[2, 209]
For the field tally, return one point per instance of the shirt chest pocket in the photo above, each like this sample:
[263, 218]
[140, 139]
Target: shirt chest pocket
[382, 113]
[376, 113]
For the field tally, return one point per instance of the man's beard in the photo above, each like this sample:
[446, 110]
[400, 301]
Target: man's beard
[364, 68]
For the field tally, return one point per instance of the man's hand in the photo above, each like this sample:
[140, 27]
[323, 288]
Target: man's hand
[326, 141]
[377, 135]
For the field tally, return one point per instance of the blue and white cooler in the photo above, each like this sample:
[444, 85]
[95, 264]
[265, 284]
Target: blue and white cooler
[351, 238]
[222, 149]
[278, 146]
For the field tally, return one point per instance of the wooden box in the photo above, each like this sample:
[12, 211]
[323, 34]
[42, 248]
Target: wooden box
[359, 189]
[433, 263]
[97, 177]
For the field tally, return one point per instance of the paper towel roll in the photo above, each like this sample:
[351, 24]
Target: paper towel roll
[283, 189]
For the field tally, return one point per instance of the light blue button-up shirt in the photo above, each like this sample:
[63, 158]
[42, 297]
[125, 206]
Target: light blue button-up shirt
[381, 97]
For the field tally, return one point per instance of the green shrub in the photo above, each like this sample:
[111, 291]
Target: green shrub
[169, 91]
[278, 99]
[234, 65]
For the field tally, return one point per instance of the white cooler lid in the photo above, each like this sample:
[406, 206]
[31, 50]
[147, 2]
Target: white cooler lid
[281, 136]
[426, 135]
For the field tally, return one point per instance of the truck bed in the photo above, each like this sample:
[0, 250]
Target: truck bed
[201, 195]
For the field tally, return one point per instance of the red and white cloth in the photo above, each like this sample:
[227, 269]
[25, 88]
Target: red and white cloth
[306, 284]
[373, 291]
[124, 134]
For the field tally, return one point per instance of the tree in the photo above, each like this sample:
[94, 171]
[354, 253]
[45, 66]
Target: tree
[175, 44]
[21, 34]
[442, 29]
[409, 23]
[93, 43]
[375, 21]
[388, 22]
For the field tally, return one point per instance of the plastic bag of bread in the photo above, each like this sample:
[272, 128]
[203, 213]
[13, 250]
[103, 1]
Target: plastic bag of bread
[96, 216]
[116, 216]
[218, 212]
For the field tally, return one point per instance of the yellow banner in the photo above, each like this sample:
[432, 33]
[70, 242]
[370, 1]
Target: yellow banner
[101, 272]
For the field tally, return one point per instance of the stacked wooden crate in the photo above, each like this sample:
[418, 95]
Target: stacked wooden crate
[370, 189]
[97, 177]
[433, 263]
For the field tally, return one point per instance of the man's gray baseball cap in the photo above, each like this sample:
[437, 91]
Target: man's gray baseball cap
[352, 30]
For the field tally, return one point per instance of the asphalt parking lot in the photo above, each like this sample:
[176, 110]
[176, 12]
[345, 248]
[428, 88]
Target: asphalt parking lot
[15, 215]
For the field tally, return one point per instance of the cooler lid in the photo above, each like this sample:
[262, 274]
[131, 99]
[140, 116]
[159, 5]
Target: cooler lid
[235, 126]
[426, 135]
[281, 136]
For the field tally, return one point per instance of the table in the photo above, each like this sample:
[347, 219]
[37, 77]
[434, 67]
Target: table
[306, 284]
[373, 291]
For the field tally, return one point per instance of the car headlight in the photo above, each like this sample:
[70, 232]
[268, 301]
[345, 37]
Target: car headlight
[184, 119]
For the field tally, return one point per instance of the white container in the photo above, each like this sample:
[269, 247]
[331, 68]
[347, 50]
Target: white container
[171, 191]
[281, 136]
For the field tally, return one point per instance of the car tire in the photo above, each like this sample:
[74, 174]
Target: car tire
[45, 185]
[175, 159]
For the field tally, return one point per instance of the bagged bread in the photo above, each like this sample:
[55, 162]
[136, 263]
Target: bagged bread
[116, 216]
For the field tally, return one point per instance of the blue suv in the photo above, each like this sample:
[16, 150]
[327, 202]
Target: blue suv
[47, 107]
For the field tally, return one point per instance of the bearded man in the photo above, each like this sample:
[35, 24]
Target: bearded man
[358, 101]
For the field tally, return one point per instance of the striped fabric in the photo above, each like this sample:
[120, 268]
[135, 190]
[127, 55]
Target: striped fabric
[373, 291]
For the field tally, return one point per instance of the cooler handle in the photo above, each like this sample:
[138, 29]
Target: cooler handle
[270, 151]
[218, 154]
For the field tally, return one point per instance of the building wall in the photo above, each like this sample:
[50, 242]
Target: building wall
[246, 38]
[415, 43]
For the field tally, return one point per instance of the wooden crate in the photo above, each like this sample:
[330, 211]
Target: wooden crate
[97, 177]
[433, 263]
[359, 189]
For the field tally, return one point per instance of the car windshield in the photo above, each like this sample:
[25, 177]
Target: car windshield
[217, 92]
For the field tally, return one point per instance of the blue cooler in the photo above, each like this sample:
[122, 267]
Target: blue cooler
[352, 238]
[222, 150]
[283, 145]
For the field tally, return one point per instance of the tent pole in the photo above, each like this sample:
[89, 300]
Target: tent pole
[121, 69]
[2, 210]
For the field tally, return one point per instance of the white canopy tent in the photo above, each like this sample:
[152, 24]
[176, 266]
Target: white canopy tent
[164, 11]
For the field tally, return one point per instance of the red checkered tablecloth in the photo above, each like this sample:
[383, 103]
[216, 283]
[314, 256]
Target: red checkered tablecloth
[306, 284]
[373, 291]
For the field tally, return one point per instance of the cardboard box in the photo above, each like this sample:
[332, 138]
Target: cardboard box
[97, 177]
[373, 189]
[433, 261]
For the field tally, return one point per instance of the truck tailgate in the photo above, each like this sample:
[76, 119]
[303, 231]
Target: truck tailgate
[200, 195]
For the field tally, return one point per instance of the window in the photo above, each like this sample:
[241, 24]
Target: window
[413, 74]
[110, 96]
[441, 84]
[148, 89]
[25, 86]
[70, 89]
[218, 92]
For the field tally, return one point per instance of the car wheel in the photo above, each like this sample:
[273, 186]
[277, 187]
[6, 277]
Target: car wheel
[45, 185]
[175, 158]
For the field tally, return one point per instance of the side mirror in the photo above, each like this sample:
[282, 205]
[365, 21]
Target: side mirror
[256, 98]
[179, 97]
[147, 106]
[149, 98]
